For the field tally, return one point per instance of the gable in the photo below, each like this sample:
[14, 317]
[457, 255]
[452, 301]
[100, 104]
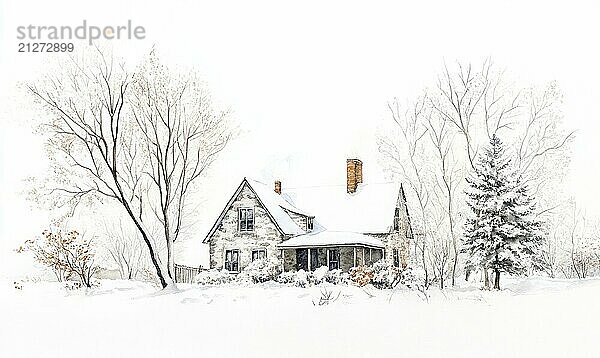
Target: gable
[252, 191]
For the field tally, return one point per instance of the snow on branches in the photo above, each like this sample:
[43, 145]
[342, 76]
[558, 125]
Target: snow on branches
[502, 234]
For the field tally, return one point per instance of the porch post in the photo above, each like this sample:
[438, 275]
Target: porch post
[364, 259]
[308, 259]
[371, 255]
[282, 260]
[354, 256]
[327, 249]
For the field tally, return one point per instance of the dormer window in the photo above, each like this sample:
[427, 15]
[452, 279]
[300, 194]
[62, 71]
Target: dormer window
[246, 219]
[397, 219]
[309, 223]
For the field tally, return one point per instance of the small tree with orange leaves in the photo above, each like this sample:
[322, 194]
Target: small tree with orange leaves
[67, 254]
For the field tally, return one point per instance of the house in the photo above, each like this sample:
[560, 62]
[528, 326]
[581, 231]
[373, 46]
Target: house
[338, 226]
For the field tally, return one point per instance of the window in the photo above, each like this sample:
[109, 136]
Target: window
[259, 254]
[334, 259]
[309, 223]
[246, 219]
[397, 219]
[232, 260]
[396, 258]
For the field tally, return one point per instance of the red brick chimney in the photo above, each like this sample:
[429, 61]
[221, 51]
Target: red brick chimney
[278, 187]
[353, 174]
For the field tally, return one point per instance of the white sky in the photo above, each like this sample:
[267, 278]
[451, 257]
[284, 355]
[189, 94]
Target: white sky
[309, 82]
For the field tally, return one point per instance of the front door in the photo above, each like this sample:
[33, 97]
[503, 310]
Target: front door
[302, 259]
[314, 259]
[334, 259]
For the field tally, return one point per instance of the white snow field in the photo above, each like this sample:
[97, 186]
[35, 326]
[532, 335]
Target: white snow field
[529, 318]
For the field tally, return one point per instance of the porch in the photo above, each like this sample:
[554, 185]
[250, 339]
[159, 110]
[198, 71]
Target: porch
[344, 257]
[335, 250]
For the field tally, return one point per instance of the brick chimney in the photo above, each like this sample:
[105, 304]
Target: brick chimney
[278, 187]
[353, 174]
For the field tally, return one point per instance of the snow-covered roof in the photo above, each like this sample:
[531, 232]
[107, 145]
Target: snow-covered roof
[271, 199]
[274, 204]
[369, 210]
[331, 238]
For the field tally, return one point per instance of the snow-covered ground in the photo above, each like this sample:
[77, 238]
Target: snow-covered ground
[529, 317]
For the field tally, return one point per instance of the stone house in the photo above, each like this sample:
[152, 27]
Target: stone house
[338, 226]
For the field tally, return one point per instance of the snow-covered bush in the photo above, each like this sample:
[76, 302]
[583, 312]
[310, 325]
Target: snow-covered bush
[262, 270]
[383, 276]
[320, 275]
[214, 277]
[298, 278]
[361, 276]
[286, 278]
[411, 279]
[337, 277]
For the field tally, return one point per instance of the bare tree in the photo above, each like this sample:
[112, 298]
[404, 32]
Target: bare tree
[99, 144]
[182, 135]
[440, 249]
[407, 157]
[549, 255]
[124, 249]
[467, 106]
[449, 177]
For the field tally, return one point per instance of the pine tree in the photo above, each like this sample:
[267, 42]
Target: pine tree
[502, 234]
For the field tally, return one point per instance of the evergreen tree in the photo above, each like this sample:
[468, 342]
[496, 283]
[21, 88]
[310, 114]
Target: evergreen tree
[502, 234]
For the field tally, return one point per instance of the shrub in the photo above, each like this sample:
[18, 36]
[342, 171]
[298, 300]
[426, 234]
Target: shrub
[337, 277]
[385, 275]
[298, 278]
[361, 276]
[320, 275]
[388, 276]
[262, 270]
[67, 254]
[214, 277]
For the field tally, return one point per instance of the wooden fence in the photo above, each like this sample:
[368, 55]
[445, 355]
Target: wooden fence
[186, 274]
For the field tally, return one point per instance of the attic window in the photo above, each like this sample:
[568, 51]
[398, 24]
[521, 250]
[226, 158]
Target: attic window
[397, 219]
[309, 223]
[246, 219]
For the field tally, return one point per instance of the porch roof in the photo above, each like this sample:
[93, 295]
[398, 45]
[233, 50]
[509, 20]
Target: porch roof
[331, 238]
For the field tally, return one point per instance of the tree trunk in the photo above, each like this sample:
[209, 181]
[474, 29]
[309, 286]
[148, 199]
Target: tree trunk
[486, 279]
[170, 260]
[425, 266]
[454, 263]
[496, 279]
